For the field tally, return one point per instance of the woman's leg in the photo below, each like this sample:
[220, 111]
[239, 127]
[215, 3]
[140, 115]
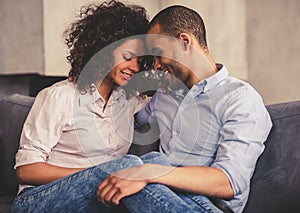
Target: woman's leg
[160, 198]
[74, 193]
[155, 158]
[155, 197]
[199, 202]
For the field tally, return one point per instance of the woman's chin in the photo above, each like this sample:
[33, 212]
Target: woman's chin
[123, 83]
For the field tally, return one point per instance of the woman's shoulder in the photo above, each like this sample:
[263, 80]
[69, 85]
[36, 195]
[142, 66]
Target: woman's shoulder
[60, 87]
[62, 91]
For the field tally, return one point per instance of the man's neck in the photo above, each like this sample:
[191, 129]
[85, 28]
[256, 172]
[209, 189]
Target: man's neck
[202, 67]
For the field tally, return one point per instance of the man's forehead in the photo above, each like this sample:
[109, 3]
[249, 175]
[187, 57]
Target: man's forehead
[155, 42]
[155, 29]
[160, 41]
[151, 37]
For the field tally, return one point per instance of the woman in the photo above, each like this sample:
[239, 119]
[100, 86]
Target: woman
[86, 120]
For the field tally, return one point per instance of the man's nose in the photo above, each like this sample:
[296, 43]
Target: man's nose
[156, 63]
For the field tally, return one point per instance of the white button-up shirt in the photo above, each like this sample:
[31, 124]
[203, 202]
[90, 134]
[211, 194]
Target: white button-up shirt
[69, 129]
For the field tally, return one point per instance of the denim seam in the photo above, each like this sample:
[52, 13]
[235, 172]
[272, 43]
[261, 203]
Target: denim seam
[203, 204]
[158, 200]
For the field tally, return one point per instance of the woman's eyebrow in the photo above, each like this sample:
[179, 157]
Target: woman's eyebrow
[129, 52]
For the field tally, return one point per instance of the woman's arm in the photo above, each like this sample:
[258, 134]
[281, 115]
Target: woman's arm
[41, 132]
[42, 173]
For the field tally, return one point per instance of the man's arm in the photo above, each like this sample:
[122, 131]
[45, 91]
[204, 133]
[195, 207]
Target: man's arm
[143, 116]
[207, 181]
[202, 180]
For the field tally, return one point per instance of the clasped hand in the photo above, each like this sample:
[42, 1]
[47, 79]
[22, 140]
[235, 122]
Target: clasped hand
[121, 184]
[127, 182]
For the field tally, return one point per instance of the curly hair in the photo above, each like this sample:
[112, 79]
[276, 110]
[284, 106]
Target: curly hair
[98, 27]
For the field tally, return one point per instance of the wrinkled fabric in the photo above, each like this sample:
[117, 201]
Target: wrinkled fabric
[221, 122]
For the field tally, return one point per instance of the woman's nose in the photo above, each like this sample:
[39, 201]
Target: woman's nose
[134, 65]
[156, 63]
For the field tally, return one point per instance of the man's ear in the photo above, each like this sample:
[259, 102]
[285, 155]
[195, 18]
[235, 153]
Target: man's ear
[186, 39]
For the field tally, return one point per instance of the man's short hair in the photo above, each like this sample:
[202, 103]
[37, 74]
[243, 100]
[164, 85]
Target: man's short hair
[178, 19]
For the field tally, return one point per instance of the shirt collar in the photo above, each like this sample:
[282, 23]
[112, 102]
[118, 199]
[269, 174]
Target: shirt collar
[210, 82]
[215, 79]
[92, 97]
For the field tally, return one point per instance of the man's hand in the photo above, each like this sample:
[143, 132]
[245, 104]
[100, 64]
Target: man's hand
[121, 184]
[126, 182]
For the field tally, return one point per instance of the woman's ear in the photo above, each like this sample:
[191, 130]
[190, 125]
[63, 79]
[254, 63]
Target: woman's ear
[186, 39]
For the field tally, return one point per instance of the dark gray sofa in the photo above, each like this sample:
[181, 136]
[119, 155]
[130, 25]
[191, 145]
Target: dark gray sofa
[275, 186]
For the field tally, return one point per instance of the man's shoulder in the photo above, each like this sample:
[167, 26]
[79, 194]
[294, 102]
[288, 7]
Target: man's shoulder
[236, 86]
[236, 90]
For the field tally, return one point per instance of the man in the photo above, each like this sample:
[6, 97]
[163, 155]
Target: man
[212, 130]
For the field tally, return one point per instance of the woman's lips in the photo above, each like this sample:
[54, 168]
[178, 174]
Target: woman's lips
[126, 75]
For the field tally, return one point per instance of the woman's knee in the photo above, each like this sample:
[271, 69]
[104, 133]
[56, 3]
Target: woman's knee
[155, 158]
[124, 162]
[131, 161]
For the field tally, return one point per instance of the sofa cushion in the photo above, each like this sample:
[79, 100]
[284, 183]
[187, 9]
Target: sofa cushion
[145, 139]
[275, 186]
[14, 110]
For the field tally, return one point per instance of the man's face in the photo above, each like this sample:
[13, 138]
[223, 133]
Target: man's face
[167, 52]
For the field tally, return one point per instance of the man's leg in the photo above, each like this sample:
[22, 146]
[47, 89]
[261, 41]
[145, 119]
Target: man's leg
[74, 193]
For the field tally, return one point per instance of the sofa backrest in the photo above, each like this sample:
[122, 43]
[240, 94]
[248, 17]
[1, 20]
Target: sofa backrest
[13, 112]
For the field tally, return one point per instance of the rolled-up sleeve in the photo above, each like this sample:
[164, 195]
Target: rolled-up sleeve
[246, 125]
[43, 126]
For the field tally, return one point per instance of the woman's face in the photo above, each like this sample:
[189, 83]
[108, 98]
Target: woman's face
[126, 61]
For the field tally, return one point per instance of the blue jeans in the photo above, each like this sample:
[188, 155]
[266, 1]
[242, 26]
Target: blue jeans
[77, 192]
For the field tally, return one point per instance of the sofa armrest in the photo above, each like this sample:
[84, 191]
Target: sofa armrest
[13, 112]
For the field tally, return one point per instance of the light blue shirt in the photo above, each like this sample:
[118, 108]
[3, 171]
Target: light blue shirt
[221, 122]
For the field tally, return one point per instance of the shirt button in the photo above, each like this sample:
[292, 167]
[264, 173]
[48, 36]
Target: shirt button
[174, 133]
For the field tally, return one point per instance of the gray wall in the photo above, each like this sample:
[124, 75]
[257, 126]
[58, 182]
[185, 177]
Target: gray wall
[257, 40]
[21, 40]
[273, 48]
